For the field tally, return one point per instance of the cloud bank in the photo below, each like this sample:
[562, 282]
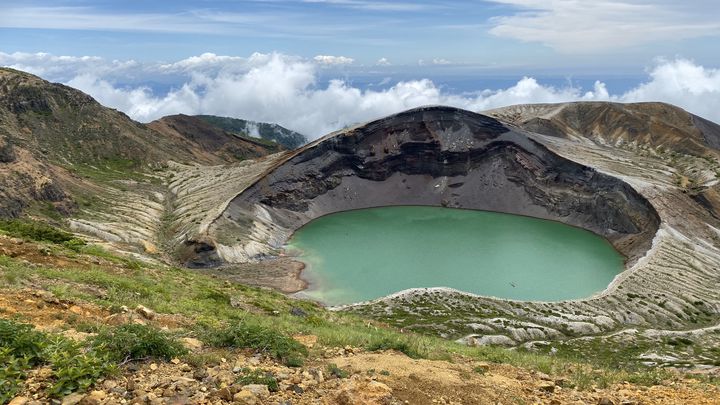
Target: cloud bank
[573, 26]
[284, 89]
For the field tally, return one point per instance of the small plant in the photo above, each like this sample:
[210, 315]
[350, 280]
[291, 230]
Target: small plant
[257, 376]
[22, 341]
[12, 374]
[394, 343]
[74, 368]
[480, 369]
[260, 338]
[336, 371]
[134, 342]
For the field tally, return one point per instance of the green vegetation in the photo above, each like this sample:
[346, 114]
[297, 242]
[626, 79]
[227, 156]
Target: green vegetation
[137, 342]
[38, 232]
[395, 343]
[336, 371]
[75, 366]
[257, 376]
[109, 170]
[232, 316]
[250, 335]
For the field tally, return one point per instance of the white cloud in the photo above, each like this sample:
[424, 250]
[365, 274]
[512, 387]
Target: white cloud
[683, 83]
[441, 61]
[86, 18]
[333, 60]
[383, 62]
[587, 26]
[285, 90]
[375, 5]
[63, 67]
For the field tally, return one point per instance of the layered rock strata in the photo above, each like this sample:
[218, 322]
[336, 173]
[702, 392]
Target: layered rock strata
[437, 156]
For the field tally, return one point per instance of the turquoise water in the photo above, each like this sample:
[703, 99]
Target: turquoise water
[365, 254]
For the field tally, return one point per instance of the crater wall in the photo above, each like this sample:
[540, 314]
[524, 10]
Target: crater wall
[438, 156]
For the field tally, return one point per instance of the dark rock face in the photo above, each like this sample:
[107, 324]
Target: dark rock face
[710, 131]
[440, 156]
[7, 153]
[199, 254]
[49, 191]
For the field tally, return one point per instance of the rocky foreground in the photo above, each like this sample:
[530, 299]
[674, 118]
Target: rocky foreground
[333, 376]
[332, 373]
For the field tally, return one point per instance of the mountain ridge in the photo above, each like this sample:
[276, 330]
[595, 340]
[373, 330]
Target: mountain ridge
[273, 132]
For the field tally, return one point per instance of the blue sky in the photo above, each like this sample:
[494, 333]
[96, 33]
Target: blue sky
[591, 35]
[317, 65]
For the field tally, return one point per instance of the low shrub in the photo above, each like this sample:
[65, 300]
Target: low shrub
[134, 342]
[75, 368]
[22, 341]
[260, 338]
[39, 232]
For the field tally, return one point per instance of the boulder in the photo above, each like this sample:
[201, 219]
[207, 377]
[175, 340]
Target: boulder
[360, 391]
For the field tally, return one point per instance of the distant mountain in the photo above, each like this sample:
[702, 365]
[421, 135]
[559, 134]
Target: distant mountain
[214, 140]
[651, 124]
[57, 144]
[288, 138]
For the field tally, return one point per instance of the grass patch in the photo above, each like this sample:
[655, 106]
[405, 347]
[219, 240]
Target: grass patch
[248, 335]
[398, 343]
[110, 170]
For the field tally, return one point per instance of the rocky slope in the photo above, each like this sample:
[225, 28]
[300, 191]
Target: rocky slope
[655, 125]
[214, 141]
[57, 143]
[334, 372]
